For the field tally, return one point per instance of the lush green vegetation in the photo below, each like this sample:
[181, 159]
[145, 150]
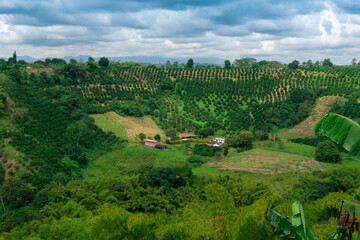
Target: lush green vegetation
[68, 174]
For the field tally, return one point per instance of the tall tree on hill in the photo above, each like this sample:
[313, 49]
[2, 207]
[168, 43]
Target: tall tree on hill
[327, 63]
[190, 63]
[14, 57]
[294, 64]
[227, 64]
[104, 62]
[244, 62]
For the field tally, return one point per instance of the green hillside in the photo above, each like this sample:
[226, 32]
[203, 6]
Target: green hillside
[74, 164]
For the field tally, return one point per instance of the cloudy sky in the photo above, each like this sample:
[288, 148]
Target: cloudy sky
[229, 29]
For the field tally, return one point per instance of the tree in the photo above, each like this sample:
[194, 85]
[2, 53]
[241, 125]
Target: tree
[327, 151]
[176, 64]
[14, 57]
[168, 64]
[244, 62]
[17, 192]
[104, 62]
[327, 63]
[294, 64]
[353, 61]
[244, 140]
[142, 136]
[227, 64]
[166, 84]
[190, 63]
[157, 137]
[170, 132]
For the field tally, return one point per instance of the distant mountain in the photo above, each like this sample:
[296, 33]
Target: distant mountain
[139, 59]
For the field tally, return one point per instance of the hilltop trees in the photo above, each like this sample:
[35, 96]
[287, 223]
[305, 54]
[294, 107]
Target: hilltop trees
[190, 63]
[294, 64]
[327, 63]
[244, 62]
[227, 64]
[104, 62]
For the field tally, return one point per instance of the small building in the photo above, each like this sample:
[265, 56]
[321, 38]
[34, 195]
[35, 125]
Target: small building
[277, 67]
[212, 144]
[184, 136]
[151, 143]
[220, 141]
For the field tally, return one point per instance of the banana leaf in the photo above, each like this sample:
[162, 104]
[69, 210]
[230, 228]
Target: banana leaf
[341, 130]
[290, 228]
[349, 216]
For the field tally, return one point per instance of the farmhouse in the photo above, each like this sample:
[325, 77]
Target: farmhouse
[213, 144]
[184, 136]
[151, 143]
[220, 141]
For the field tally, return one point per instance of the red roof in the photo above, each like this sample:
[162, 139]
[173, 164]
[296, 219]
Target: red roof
[150, 140]
[182, 135]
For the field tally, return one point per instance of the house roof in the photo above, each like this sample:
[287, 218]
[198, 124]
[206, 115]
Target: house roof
[150, 140]
[182, 135]
[211, 143]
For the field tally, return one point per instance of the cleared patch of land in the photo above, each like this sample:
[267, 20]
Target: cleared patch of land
[304, 129]
[266, 161]
[109, 122]
[128, 127]
[130, 159]
[291, 147]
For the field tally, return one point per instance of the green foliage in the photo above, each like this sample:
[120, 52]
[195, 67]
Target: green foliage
[166, 84]
[294, 64]
[291, 228]
[341, 130]
[16, 192]
[190, 63]
[227, 64]
[326, 151]
[244, 62]
[205, 150]
[242, 140]
[157, 137]
[103, 62]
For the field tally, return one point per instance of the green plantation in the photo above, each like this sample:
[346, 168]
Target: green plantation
[74, 163]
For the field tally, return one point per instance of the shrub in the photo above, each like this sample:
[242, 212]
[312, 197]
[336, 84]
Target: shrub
[327, 151]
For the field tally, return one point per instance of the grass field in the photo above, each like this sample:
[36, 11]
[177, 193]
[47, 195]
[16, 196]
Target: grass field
[290, 147]
[127, 127]
[267, 161]
[128, 160]
[108, 122]
[304, 129]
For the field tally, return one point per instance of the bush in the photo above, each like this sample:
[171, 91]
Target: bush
[327, 151]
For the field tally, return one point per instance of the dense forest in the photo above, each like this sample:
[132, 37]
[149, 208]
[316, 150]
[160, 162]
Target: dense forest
[48, 139]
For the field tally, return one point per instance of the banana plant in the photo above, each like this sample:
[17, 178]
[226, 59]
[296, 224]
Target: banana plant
[297, 228]
[348, 220]
[341, 130]
[290, 228]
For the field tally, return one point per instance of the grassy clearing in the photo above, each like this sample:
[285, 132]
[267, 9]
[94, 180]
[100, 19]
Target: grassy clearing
[107, 122]
[290, 147]
[127, 126]
[127, 160]
[304, 129]
[266, 161]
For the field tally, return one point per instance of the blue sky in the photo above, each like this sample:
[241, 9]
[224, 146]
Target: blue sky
[272, 30]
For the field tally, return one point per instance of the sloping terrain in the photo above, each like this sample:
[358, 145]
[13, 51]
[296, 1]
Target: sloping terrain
[127, 126]
[304, 129]
[267, 161]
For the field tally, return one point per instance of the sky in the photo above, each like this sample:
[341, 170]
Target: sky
[228, 29]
